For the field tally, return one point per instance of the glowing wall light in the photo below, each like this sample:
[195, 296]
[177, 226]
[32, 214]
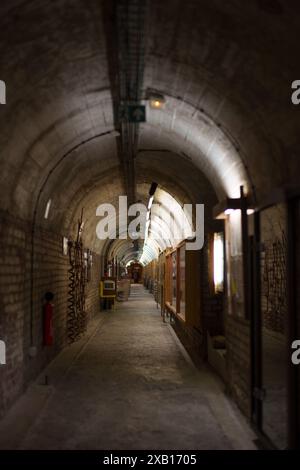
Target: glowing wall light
[218, 250]
[47, 209]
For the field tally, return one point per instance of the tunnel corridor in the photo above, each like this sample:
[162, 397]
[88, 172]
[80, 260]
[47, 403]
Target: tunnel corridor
[149, 224]
[130, 387]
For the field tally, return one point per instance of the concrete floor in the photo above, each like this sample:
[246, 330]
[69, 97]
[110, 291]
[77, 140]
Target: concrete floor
[129, 384]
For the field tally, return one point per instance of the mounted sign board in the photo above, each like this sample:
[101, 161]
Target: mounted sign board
[109, 285]
[137, 113]
[133, 113]
[108, 288]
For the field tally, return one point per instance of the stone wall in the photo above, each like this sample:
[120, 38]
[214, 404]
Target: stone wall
[13, 242]
[212, 303]
[51, 274]
[238, 361]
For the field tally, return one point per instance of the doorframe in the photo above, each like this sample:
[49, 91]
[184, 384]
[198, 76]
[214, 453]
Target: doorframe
[290, 196]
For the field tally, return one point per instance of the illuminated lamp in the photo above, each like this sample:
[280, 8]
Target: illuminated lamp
[156, 101]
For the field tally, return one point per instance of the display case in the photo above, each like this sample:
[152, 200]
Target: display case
[175, 281]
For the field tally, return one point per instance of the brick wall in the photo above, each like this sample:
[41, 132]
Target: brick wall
[51, 274]
[192, 338]
[237, 328]
[273, 268]
[92, 303]
[12, 301]
[238, 361]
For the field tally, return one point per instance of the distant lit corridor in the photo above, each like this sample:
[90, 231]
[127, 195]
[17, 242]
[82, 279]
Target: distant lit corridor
[131, 386]
[149, 224]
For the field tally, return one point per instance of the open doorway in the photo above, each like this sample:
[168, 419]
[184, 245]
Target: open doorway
[135, 272]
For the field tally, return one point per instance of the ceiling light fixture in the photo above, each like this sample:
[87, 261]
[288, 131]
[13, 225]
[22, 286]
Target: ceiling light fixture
[47, 209]
[156, 100]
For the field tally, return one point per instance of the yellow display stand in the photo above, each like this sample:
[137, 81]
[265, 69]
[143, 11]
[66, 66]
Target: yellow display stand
[104, 295]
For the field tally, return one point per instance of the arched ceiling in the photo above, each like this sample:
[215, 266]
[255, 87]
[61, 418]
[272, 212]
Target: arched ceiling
[168, 225]
[224, 68]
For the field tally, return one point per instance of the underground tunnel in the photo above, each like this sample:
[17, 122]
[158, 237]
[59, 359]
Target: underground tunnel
[149, 225]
